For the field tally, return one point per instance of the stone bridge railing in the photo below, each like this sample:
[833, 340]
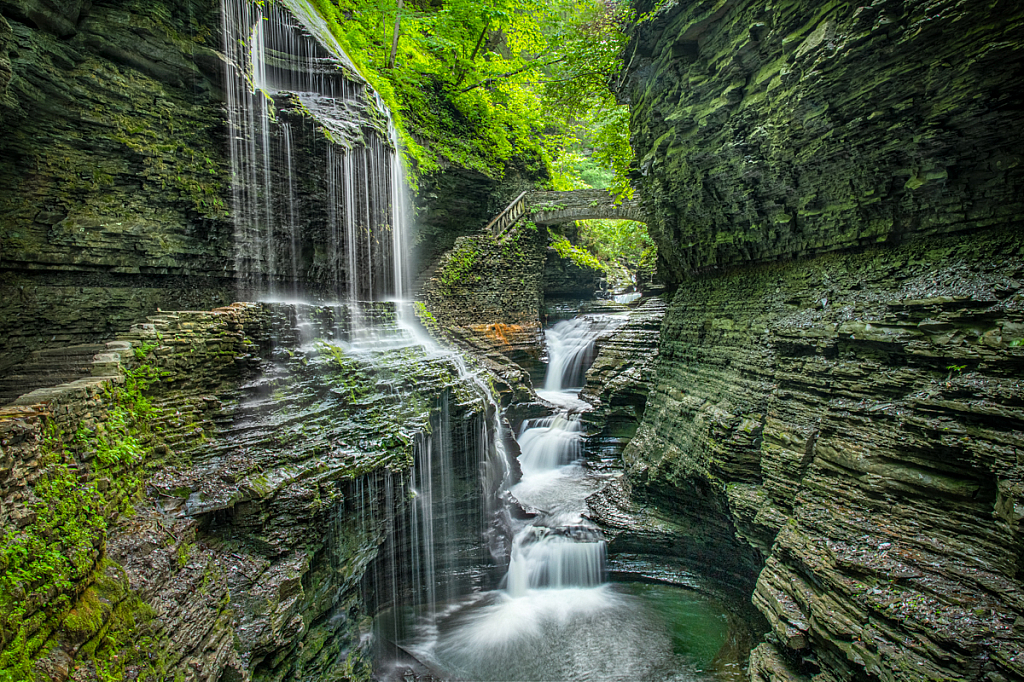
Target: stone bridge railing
[551, 208]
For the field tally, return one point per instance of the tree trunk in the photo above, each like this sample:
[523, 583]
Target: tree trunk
[394, 37]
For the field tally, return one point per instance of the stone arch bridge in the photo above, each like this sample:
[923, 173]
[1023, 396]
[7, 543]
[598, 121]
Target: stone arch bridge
[551, 208]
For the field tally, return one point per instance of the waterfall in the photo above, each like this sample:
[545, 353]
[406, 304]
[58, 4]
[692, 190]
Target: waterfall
[571, 348]
[321, 213]
[626, 299]
[569, 557]
[550, 442]
[318, 190]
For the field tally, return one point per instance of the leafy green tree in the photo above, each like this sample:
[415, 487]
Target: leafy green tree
[482, 82]
[622, 241]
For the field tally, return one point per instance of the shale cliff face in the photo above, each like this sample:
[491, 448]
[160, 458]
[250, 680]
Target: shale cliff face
[214, 502]
[842, 433]
[774, 130]
[112, 199]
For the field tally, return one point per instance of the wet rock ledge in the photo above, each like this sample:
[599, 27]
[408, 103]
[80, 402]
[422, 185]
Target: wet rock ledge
[212, 496]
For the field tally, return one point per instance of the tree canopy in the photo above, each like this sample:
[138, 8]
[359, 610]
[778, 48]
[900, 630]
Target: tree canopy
[480, 82]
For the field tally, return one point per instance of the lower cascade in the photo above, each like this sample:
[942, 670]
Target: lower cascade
[554, 614]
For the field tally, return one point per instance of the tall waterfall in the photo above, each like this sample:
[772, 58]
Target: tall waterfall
[320, 208]
[318, 191]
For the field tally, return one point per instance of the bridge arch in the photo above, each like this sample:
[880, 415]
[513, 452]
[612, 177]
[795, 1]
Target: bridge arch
[550, 208]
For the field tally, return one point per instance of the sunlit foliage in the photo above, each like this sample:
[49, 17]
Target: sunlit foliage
[482, 82]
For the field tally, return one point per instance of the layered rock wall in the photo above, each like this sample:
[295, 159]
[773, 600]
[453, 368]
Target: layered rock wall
[112, 166]
[487, 294]
[620, 379]
[855, 421]
[261, 482]
[840, 434]
[775, 130]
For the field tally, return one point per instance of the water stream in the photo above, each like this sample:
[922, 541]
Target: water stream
[554, 615]
[482, 576]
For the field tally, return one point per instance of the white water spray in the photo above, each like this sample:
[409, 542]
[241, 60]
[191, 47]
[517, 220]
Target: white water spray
[571, 349]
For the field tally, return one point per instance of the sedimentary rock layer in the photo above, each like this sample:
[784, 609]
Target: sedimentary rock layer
[858, 420]
[845, 427]
[621, 378]
[263, 481]
[768, 130]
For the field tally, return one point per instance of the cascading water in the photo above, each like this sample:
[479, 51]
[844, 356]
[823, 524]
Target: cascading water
[571, 349]
[318, 192]
[626, 299]
[559, 549]
[554, 616]
[320, 213]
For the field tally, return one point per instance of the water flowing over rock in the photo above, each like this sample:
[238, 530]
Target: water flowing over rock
[306, 473]
[318, 193]
[117, 191]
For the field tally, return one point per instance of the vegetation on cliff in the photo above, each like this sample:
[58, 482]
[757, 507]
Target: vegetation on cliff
[620, 241]
[55, 582]
[481, 83]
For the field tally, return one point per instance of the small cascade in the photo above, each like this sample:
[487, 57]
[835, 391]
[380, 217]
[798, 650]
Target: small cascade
[626, 299]
[572, 556]
[559, 549]
[550, 442]
[553, 614]
[571, 349]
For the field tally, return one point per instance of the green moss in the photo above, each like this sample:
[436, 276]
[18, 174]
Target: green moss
[581, 257]
[459, 264]
[48, 568]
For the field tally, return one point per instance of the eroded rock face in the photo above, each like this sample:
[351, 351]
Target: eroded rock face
[857, 421]
[486, 294]
[266, 482]
[456, 202]
[5, 62]
[59, 17]
[112, 159]
[566, 281]
[844, 428]
[774, 130]
[620, 379]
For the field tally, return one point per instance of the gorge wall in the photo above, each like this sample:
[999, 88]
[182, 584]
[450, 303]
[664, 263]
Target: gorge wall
[841, 432]
[225, 501]
[116, 153]
[112, 192]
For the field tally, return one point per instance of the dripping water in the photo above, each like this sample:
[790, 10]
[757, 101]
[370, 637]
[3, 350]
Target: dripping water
[318, 190]
[326, 207]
